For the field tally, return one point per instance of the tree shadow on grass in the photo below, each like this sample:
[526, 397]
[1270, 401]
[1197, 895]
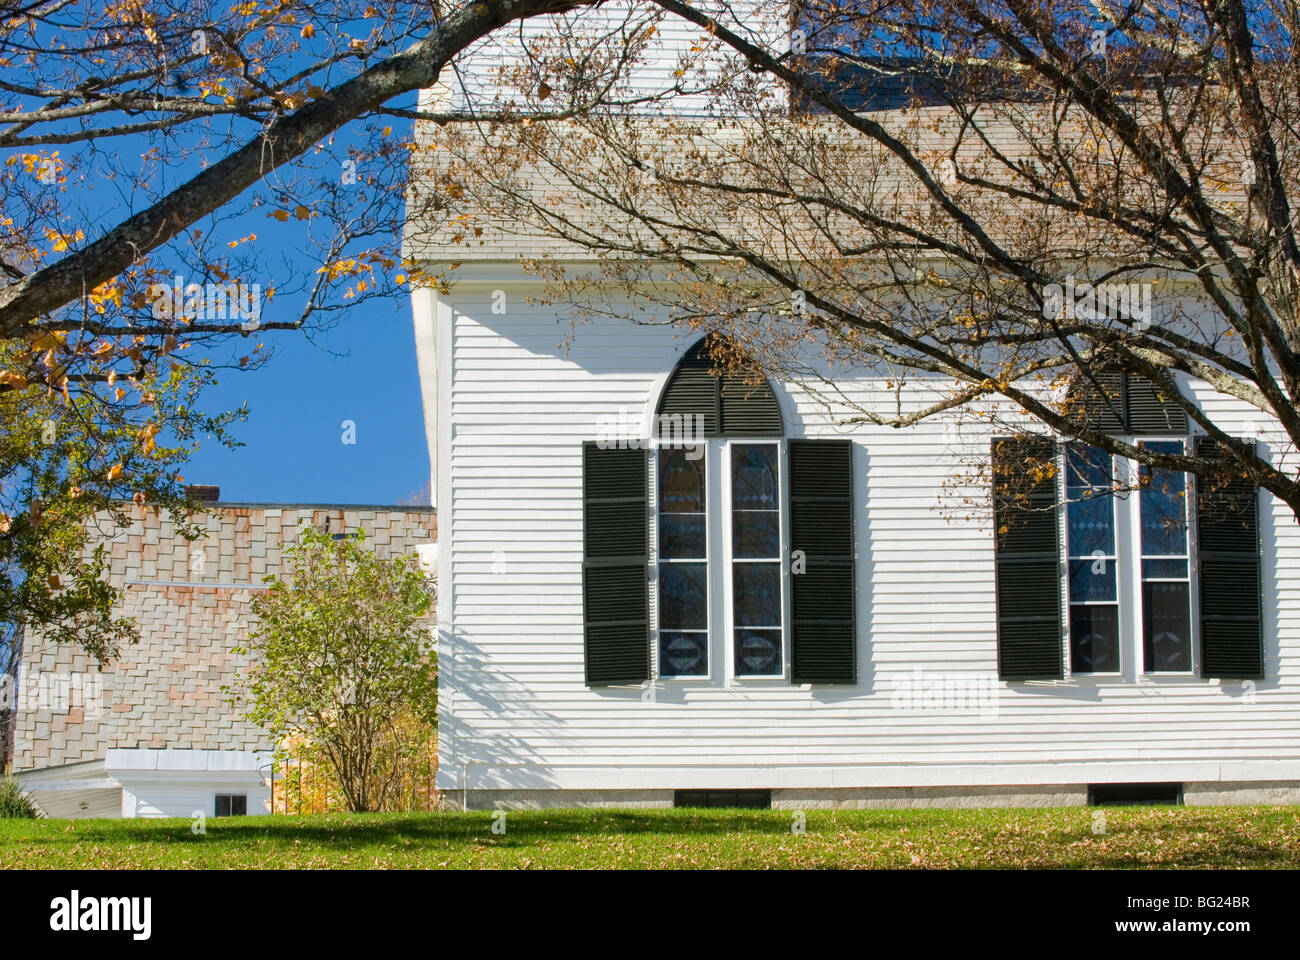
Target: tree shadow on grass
[1048, 835]
[525, 827]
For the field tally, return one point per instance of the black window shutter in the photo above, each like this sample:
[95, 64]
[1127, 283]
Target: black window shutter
[615, 558]
[748, 409]
[1227, 526]
[1127, 404]
[728, 404]
[693, 390]
[1027, 558]
[1151, 412]
[823, 634]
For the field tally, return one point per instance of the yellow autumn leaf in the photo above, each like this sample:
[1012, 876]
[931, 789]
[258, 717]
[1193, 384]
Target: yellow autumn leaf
[281, 215]
[301, 212]
[114, 472]
[309, 31]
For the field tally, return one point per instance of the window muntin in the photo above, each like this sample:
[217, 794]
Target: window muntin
[1092, 561]
[1166, 583]
[683, 563]
[756, 581]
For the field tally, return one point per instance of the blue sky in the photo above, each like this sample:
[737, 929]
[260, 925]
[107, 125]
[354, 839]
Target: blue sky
[361, 368]
[293, 436]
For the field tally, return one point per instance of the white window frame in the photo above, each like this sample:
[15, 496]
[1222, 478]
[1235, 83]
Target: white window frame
[710, 512]
[1193, 597]
[1128, 566]
[1116, 468]
[728, 561]
[720, 648]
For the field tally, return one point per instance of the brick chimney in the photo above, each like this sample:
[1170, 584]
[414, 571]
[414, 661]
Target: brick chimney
[207, 493]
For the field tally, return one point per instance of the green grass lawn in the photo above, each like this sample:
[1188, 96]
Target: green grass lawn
[1062, 837]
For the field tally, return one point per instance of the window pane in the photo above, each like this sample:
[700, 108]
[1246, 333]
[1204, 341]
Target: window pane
[1090, 548]
[1092, 525]
[683, 654]
[756, 589]
[1164, 506]
[683, 587]
[1166, 593]
[222, 808]
[1087, 467]
[1167, 627]
[756, 533]
[681, 535]
[1092, 580]
[754, 483]
[1094, 638]
[758, 651]
[681, 482]
[683, 596]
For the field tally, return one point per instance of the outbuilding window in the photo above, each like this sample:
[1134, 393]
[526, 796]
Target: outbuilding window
[231, 805]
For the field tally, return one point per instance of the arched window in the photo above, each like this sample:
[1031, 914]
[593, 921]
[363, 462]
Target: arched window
[750, 565]
[719, 427]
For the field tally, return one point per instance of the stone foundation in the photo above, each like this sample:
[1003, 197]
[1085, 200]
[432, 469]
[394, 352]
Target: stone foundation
[550, 799]
[1219, 793]
[896, 798]
[1210, 793]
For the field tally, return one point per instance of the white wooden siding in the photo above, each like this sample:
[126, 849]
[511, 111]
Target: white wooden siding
[517, 403]
[474, 80]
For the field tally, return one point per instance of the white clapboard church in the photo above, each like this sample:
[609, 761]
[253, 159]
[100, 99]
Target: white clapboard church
[781, 612]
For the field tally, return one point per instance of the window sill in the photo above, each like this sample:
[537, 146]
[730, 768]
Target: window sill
[1119, 679]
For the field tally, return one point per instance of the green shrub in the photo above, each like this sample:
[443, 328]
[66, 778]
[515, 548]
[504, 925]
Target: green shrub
[14, 804]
